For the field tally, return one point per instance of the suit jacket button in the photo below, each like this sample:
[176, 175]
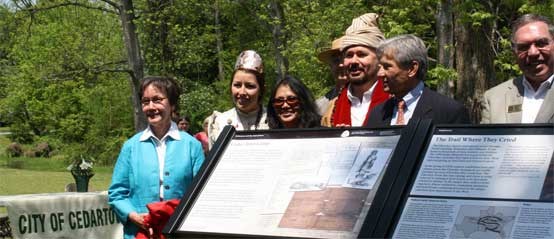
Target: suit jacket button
[166, 173]
[166, 187]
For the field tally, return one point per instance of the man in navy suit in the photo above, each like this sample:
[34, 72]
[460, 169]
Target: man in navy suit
[403, 65]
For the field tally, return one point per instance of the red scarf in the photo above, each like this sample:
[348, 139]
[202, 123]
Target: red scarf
[341, 112]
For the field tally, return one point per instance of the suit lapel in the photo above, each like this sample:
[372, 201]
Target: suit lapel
[546, 112]
[514, 101]
[424, 105]
[387, 111]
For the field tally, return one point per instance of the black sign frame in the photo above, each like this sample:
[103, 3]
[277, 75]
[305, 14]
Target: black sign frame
[386, 222]
[409, 135]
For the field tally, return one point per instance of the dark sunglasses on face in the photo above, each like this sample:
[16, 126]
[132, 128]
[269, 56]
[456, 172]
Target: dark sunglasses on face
[292, 101]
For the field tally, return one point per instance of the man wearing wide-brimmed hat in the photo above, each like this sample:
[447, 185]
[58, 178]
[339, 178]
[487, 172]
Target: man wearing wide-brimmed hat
[364, 91]
[333, 58]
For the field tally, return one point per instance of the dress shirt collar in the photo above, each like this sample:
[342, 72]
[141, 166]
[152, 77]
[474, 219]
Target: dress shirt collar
[366, 97]
[411, 100]
[414, 94]
[542, 88]
[173, 132]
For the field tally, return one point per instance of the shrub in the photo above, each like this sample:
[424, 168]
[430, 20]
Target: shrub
[30, 153]
[43, 150]
[21, 133]
[14, 150]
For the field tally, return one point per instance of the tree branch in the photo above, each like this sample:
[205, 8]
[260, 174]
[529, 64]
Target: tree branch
[22, 4]
[94, 70]
[33, 10]
[113, 4]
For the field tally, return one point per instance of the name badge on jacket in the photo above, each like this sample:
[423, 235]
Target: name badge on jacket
[514, 108]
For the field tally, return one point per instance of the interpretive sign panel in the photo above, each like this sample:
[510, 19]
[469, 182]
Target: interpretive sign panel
[303, 183]
[483, 182]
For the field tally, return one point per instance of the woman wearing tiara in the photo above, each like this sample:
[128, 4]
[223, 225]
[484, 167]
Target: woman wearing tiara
[247, 89]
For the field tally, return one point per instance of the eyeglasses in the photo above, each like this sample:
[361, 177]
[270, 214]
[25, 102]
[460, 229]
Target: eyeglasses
[292, 101]
[155, 100]
[540, 44]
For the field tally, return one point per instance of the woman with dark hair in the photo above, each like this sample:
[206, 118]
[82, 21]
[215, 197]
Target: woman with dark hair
[247, 89]
[156, 164]
[183, 123]
[291, 105]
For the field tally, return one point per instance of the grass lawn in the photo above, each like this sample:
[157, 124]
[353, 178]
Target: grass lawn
[44, 175]
[22, 181]
[29, 175]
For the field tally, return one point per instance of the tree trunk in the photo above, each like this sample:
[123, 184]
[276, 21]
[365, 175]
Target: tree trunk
[474, 64]
[219, 46]
[134, 58]
[445, 35]
[279, 39]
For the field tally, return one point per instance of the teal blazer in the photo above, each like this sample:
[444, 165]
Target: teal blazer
[136, 178]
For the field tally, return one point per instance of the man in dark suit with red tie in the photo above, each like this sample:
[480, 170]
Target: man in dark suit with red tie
[403, 65]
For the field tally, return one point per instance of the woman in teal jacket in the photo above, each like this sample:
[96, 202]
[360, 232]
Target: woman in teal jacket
[156, 164]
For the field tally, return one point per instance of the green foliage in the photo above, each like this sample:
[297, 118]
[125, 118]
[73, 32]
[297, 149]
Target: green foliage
[504, 62]
[59, 92]
[439, 74]
[312, 26]
[62, 81]
[197, 104]
[20, 132]
[178, 38]
[477, 18]
[544, 8]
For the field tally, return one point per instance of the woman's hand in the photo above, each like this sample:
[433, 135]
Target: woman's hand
[138, 219]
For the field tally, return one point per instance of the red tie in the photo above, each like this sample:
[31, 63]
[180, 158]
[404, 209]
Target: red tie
[400, 116]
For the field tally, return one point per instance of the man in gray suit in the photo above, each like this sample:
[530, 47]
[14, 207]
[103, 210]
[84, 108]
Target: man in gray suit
[528, 98]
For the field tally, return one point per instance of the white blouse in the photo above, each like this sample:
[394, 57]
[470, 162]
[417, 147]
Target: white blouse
[240, 120]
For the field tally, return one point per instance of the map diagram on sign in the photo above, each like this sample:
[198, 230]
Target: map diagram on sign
[483, 222]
